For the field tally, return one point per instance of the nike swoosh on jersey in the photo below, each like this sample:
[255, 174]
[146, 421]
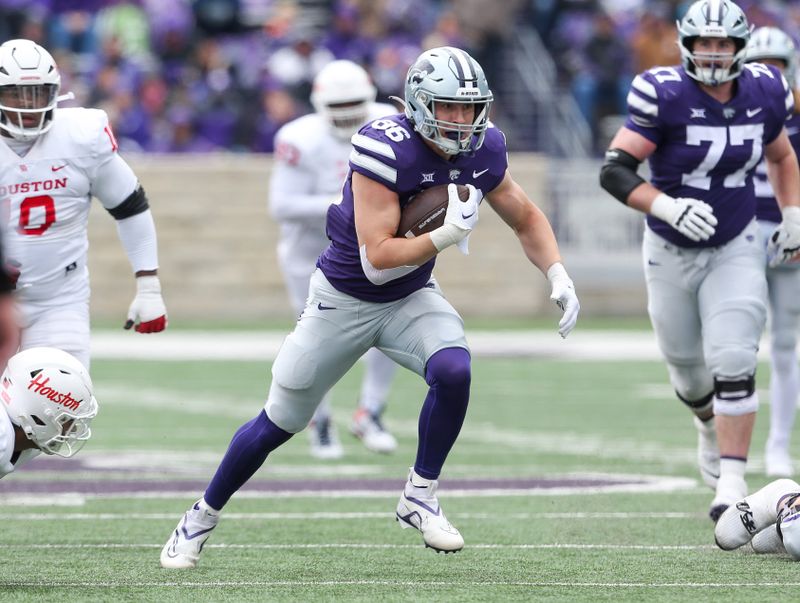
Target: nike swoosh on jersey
[752, 112]
[478, 174]
[56, 168]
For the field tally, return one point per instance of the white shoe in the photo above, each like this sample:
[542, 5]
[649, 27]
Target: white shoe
[182, 550]
[324, 440]
[419, 508]
[768, 541]
[369, 429]
[707, 451]
[778, 463]
[729, 492]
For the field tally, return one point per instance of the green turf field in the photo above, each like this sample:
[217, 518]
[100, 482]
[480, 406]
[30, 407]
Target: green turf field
[168, 423]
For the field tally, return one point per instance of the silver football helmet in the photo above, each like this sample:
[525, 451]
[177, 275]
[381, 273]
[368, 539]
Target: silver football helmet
[342, 93]
[29, 85]
[48, 394]
[772, 43]
[449, 75]
[713, 19]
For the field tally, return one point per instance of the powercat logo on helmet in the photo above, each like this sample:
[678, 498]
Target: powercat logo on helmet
[39, 385]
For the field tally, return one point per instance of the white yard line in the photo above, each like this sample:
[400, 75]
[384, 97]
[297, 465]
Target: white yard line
[605, 345]
[414, 583]
[342, 516]
[358, 545]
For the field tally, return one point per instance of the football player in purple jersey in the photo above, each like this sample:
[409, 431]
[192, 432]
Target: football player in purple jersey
[373, 288]
[771, 46]
[704, 126]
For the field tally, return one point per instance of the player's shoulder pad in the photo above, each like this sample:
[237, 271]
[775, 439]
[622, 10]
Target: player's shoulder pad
[495, 139]
[83, 126]
[382, 147]
[303, 132]
[378, 110]
[651, 89]
[298, 140]
[770, 84]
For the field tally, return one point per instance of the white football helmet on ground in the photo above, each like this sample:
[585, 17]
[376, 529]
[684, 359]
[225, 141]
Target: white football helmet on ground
[341, 93]
[29, 85]
[48, 394]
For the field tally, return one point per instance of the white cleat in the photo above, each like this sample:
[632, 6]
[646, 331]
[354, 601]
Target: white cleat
[729, 492]
[735, 527]
[370, 430]
[753, 514]
[707, 452]
[419, 508]
[778, 463]
[182, 550]
[324, 440]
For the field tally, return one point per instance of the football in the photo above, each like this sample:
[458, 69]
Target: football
[425, 211]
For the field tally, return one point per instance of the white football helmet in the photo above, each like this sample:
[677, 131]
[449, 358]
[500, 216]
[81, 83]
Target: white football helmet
[342, 93]
[449, 75]
[48, 394]
[772, 43]
[713, 19]
[29, 85]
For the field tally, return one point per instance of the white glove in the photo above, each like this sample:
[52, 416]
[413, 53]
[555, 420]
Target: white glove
[784, 244]
[693, 218]
[563, 294]
[460, 219]
[147, 311]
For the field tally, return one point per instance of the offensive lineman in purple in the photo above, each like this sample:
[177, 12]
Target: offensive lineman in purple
[406, 167]
[704, 126]
[692, 154]
[375, 289]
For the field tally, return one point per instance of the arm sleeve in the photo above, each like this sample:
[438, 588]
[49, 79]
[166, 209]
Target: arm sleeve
[138, 237]
[291, 186]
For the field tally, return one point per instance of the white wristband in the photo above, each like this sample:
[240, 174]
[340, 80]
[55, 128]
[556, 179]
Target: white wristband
[446, 235]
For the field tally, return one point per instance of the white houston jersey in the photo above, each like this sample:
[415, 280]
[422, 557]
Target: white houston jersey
[7, 447]
[46, 198]
[310, 168]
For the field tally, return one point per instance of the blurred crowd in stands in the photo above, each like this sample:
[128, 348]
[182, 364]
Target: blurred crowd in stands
[208, 75]
[599, 45]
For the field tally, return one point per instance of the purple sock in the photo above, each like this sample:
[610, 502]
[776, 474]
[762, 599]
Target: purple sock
[448, 375]
[247, 452]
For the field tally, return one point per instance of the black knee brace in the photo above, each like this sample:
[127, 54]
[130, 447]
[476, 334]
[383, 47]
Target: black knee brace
[735, 390]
